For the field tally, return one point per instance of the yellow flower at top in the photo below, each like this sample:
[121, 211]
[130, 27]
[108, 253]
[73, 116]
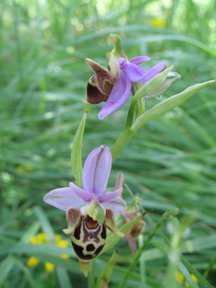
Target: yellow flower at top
[32, 261]
[158, 22]
[49, 267]
[42, 238]
[39, 239]
[62, 243]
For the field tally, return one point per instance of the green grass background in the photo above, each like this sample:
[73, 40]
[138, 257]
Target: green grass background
[170, 163]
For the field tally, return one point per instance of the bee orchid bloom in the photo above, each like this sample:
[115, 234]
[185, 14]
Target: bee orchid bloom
[114, 86]
[91, 209]
[95, 177]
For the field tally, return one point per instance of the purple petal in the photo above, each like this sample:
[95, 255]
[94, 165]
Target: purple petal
[153, 71]
[96, 170]
[117, 205]
[110, 195]
[139, 59]
[63, 199]
[119, 95]
[81, 193]
[134, 72]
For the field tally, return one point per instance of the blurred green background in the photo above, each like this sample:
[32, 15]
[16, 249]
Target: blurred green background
[169, 163]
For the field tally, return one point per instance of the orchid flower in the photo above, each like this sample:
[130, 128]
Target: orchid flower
[95, 176]
[90, 209]
[114, 86]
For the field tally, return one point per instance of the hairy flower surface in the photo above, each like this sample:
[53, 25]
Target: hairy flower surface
[114, 86]
[95, 176]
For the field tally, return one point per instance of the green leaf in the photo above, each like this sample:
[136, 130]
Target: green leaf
[31, 231]
[34, 250]
[169, 104]
[63, 278]
[193, 270]
[76, 151]
[28, 275]
[47, 228]
[112, 239]
[165, 217]
[5, 267]
[105, 276]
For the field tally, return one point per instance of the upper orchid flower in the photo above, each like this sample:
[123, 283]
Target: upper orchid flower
[114, 85]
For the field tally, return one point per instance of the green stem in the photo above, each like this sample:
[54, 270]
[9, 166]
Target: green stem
[122, 140]
[166, 216]
[137, 106]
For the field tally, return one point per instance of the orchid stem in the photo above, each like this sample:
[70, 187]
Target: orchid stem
[122, 140]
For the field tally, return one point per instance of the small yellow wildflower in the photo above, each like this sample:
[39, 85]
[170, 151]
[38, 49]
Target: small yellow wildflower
[62, 243]
[21, 169]
[194, 278]
[179, 277]
[32, 261]
[28, 168]
[42, 238]
[158, 22]
[33, 240]
[49, 267]
[39, 239]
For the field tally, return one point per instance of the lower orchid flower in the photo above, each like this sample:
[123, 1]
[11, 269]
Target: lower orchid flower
[114, 86]
[91, 209]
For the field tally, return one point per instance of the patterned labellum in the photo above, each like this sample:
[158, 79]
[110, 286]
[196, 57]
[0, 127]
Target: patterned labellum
[88, 238]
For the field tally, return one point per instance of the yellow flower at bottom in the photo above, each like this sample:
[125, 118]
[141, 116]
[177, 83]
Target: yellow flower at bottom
[194, 278]
[49, 267]
[32, 261]
[179, 277]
